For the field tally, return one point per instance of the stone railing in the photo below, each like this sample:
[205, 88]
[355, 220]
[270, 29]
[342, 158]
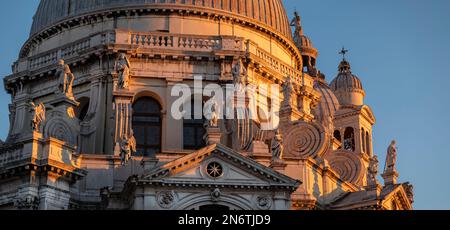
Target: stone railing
[271, 62]
[10, 154]
[176, 42]
[65, 52]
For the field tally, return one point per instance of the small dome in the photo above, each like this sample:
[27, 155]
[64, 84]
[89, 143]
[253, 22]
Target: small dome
[329, 103]
[348, 87]
[345, 80]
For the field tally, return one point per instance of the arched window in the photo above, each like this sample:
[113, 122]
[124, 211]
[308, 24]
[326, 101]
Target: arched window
[363, 140]
[368, 144]
[349, 139]
[337, 135]
[194, 130]
[147, 126]
[82, 109]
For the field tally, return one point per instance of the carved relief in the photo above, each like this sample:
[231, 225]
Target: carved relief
[59, 129]
[305, 140]
[166, 199]
[28, 202]
[264, 202]
[216, 194]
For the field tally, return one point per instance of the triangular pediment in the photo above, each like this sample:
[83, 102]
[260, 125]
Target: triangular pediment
[397, 199]
[234, 170]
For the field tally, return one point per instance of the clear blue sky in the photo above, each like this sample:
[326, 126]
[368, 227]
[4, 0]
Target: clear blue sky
[401, 51]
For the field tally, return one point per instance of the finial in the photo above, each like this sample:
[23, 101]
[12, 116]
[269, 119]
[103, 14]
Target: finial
[343, 52]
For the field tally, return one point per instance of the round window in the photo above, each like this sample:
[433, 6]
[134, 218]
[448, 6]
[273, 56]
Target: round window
[214, 170]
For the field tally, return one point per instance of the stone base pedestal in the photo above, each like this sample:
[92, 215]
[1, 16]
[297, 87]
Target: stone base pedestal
[390, 178]
[278, 165]
[213, 135]
[374, 190]
[66, 105]
[259, 148]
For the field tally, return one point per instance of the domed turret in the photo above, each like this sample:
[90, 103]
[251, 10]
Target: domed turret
[305, 45]
[346, 86]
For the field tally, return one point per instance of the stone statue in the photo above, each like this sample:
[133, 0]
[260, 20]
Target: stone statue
[409, 189]
[373, 170]
[239, 73]
[212, 114]
[277, 147]
[297, 23]
[66, 79]
[298, 33]
[391, 158]
[288, 88]
[127, 148]
[123, 67]
[37, 115]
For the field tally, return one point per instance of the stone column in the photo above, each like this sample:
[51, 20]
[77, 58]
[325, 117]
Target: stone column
[123, 114]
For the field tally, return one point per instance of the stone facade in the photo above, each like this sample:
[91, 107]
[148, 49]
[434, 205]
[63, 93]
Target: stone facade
[108, 140]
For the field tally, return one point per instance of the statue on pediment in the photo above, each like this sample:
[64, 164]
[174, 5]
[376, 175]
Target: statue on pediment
[391, 158]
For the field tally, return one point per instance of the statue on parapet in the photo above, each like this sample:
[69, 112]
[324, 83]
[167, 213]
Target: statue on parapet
[66, 79]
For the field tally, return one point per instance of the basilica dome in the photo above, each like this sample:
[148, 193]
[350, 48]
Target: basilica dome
[267, 13]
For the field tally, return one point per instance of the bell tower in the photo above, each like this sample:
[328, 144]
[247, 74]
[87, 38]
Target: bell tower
[354, 121]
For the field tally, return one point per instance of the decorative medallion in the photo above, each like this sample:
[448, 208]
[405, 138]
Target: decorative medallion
[214, 170]
[264, 202]
[166, 199]
[305, 140]
[216, 194]
[348, 165]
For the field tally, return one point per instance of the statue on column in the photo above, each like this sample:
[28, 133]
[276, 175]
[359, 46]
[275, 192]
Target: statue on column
[373, 171]
[212, 114]
[37, 115]
[239, 73]
[127, 148]
[391, 158]
[288, 88]
[123, 67]
[277, 147]
[66, 79]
